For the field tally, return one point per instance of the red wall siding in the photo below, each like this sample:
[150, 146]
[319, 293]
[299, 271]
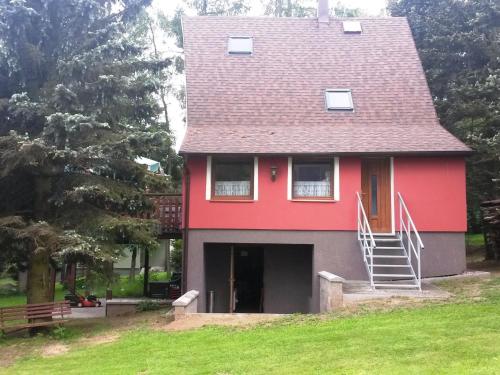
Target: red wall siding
[433, 188]
[434, 191]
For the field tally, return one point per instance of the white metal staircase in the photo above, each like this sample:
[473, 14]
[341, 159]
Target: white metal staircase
[392, 261]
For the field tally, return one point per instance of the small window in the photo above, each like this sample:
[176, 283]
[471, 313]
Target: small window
[240, 45]
[232, 178]
[352, 27]
[313, 179]
[340, 99]
[374, 195]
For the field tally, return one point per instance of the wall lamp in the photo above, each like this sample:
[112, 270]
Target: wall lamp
[274, 172]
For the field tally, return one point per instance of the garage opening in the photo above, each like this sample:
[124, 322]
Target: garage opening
[258, 278]
[248, 279]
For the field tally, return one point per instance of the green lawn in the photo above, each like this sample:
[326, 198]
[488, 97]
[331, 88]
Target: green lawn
[20, 298]
[438, 338]
[474, 240]
[121, 288]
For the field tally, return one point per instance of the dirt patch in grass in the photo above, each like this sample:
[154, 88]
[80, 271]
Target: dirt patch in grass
[98, 340]
[8, 355]
[54, 349]
[83, 333]
[194, 321]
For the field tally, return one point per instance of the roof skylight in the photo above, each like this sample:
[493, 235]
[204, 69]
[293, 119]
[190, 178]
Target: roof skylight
[339, 100]
[240, 45]
[352, 27]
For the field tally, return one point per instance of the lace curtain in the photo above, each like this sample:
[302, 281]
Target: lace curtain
[311, 189]
[232, 188]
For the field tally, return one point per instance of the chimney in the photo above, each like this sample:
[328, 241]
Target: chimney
[323, 11]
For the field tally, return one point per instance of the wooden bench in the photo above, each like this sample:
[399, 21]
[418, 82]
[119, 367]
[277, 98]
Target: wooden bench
[33, 315]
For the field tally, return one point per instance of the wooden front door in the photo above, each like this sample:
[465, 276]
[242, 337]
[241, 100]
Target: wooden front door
[376, 193]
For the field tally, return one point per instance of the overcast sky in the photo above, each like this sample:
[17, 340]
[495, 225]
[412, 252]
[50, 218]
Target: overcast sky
[370, 7]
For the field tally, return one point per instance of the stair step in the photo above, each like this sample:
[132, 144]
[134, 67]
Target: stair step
[392, 275]
[389, 248]
[395, 286]
[386, 239]
[390, 256]
[392, 265]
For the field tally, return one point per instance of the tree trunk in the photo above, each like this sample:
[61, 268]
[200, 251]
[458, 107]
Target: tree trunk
[146, 273]
[278, 11]
[39, 288]
[289, 8]
[70, 277]
[39, 278]
[162, 89]
[39, 284]
[168, 265]
[133, 260]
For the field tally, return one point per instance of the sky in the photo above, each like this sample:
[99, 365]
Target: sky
[168, 7]
[371, 7]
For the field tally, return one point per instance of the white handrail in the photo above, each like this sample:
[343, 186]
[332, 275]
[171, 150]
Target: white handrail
[407, 226]
[365, 238]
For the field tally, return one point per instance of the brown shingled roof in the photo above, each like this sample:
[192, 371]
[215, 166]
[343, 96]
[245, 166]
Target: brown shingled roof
[273, 101]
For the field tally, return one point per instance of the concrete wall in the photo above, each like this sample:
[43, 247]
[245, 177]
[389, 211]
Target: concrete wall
[444, 254]
[217, 258]
[334, 251]
[331, 292]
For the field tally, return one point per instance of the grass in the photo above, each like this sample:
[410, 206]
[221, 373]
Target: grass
[20, 298]
[457, 337]
[474, 240]
[121, 288]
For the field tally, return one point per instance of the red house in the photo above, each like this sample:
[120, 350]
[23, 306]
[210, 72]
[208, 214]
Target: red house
[312, 145]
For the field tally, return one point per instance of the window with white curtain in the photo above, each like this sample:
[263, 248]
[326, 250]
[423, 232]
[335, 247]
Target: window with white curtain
[313, 179]
[232, 178]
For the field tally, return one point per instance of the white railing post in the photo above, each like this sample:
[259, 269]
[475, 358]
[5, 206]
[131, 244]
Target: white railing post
[419, 268]
[400, 221]
[408, 235]
[411, 247]
[366, 240]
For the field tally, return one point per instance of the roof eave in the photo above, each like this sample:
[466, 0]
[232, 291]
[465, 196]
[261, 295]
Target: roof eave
[377, 153]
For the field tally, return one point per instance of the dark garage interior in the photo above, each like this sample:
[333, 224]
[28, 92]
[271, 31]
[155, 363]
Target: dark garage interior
[266, 278]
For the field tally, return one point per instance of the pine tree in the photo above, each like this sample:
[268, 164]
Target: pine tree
[458, 43]
[77, 104]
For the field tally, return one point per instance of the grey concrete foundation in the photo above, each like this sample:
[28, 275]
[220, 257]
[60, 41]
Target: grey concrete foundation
[331, 293]
[337, 252]
[186, 304]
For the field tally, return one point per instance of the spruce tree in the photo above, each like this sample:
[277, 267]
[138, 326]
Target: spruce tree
[77, 104]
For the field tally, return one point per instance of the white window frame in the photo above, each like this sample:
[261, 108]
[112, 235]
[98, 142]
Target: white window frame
[208, 185]
[239, 52]
[333, 109]
[336, 182]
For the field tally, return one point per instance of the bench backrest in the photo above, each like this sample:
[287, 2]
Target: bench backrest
[16, 314]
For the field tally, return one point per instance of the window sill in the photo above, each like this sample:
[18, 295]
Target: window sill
[314, 200]
[232, 200]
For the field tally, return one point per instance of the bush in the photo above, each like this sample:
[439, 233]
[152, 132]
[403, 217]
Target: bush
[121, 286]
[148, 306]
[159, 276]
[8, 286]
[61, 333]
